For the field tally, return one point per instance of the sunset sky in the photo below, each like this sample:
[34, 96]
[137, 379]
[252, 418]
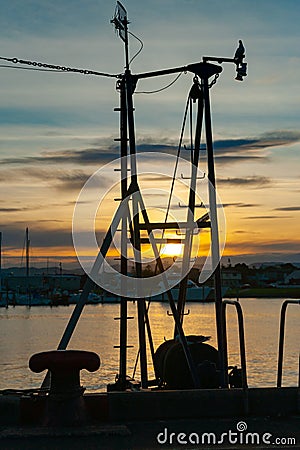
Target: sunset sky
[57, 129]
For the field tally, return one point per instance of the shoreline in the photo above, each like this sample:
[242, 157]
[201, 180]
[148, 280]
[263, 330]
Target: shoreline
[269, 292]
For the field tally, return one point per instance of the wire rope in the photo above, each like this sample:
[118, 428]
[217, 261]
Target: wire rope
[177, 157]
[161, 89]
[168, 206]
[174, 172]
[140, 49]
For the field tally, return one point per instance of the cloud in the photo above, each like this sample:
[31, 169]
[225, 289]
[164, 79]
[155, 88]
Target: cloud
[288, 208]
[279, 138]
[240, 205]
[288, 246]
[246, 149]
[269, 139]
[71, 180]
[84, 156]
[253, 181]
[231, 159]
[226, 150]
[13, 237]
[246, 232]
[13, 210]
[266, 217]
[60, 179]
[45, 237]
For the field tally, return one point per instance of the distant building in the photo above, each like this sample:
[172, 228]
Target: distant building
[22, 283]
[231, 278]
[293, 278]
[41, 282]
[63, 282]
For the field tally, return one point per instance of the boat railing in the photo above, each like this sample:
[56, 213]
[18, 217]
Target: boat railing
[239, 312]
[281, 340]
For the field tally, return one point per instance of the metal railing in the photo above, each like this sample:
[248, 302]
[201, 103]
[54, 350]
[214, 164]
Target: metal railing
[239, 311]
[281, 340]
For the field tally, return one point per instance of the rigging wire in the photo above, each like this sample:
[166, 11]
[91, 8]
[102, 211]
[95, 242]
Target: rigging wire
[31, 68]
[169, 204]
[174, 172]
[55, 68]
[161, 89]
[177, 157]
[140, 49]
[191, 127]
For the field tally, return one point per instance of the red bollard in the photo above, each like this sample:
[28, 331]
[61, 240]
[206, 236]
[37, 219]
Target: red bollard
[65, 405]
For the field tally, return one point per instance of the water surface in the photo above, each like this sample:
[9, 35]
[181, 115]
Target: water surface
[25, 331]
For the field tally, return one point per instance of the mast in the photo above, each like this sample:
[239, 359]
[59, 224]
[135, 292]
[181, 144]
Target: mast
[27, 245]
[125, 215]
[0, 264]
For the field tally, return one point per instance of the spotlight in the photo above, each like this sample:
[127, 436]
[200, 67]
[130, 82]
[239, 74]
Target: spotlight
[241, 71]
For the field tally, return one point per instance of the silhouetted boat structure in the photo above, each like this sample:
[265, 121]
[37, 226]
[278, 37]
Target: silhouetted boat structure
[193, 383]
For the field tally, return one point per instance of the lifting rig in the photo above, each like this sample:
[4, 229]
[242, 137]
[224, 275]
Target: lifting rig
[130, 190]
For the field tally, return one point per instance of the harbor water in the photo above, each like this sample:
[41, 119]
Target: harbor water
[25, 331]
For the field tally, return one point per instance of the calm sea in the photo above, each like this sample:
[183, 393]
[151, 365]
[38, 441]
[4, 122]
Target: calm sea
[25, 331]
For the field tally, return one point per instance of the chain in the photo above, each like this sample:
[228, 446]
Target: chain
[58, 68]
[196, 80]
[214, 80]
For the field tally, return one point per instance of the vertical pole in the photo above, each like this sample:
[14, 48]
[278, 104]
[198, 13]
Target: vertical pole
[125, 23]
[27, 265]
[27, 253]
[0, 265]
[124, 264]
[141, 306]
[214, 233]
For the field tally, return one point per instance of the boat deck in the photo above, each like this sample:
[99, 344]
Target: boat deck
[142, 435]
[208, 418]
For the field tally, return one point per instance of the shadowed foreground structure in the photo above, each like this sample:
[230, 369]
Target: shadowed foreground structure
[146, 420]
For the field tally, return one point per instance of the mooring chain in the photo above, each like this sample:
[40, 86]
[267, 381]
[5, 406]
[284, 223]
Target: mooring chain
[59, 68]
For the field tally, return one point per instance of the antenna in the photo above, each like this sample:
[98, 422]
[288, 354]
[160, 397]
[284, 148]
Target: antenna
[121, 25]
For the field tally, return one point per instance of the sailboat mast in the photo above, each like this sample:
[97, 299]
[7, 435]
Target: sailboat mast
[0, 264]
[27, 253]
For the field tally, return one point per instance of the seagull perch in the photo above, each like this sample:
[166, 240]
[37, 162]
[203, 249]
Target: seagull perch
[240, 52]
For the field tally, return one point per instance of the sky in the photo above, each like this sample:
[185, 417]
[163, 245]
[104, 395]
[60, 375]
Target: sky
[57, 129]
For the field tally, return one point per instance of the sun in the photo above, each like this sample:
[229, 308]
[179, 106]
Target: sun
[172, 250]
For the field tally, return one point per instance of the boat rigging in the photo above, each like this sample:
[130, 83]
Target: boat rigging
[205, 75]
[189, 372]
